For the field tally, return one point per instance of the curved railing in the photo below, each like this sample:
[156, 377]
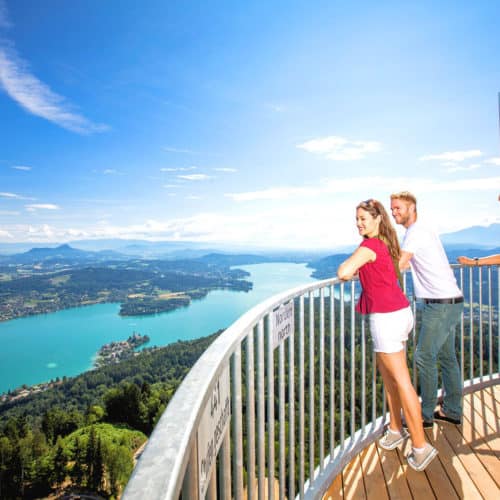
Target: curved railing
[290, 391]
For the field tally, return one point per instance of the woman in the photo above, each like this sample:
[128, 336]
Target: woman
[391, 320]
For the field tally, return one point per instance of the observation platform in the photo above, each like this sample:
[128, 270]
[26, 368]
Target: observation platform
[291, 391]
[468, 464]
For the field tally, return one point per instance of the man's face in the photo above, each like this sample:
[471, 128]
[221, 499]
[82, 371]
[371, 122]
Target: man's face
[401, 211]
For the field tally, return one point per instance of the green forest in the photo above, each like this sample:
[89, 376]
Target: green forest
[81, 434]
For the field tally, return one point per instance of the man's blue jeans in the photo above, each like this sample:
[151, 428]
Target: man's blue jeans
[436, 342]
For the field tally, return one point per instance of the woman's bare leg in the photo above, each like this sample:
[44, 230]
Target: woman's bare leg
[393, 401]
[398, 379]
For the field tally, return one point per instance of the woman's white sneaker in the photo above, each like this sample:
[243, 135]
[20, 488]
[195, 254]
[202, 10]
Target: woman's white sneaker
[391, 440]
[420, 460]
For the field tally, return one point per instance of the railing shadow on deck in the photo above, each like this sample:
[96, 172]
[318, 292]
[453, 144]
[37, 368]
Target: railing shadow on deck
[290, 390]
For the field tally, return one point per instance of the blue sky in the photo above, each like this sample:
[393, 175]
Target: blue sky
[254, 123]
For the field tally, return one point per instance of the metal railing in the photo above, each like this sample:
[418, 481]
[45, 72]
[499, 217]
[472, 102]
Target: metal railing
[288, 395]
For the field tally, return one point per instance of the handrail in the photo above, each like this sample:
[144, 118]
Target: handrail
[275, 402]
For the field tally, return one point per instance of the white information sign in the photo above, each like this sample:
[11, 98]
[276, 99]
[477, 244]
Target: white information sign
[282, 323]
[212, 429]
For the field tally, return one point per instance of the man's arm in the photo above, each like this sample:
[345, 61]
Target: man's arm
[404, 260]
[481, 261]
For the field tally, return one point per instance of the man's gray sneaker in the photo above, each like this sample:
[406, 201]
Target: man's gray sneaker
[419, 461]
[390, 440]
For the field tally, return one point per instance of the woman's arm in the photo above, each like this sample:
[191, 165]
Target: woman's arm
[359, 258]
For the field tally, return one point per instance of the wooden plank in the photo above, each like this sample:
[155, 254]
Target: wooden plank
[474, 467]
[478, 421]
[352, 478]
[491, 418]
[335, 490]
[372, 471]
[394, 475]
[482, 450]
[487, 397]
[458, 477]
[481, 428]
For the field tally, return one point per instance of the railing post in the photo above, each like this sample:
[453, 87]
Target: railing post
[270, 410]
[261, 461]
[250, 374]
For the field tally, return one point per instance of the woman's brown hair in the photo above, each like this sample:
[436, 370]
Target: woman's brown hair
[386, 231]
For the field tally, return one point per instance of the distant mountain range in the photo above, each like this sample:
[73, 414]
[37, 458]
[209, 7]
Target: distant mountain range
[110, 249]
[475, 236]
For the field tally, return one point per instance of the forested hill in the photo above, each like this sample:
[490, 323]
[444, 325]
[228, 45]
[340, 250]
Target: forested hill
[81, 434]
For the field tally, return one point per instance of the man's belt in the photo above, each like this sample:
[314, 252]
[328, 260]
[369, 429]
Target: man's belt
[454, 300]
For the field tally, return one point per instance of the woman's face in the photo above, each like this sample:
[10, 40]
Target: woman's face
[367, 224]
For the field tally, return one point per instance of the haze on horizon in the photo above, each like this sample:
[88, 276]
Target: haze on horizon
[259, 124]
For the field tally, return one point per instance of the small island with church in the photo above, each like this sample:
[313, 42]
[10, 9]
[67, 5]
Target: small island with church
[114, 352]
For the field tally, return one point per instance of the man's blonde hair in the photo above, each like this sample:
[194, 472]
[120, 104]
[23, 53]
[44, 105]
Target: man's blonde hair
[405, 196]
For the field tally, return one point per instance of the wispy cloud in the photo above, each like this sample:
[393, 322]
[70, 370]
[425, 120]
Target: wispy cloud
[169, 149]
[193, 197]
[110, 171]
[6, 234]
[171, 186]
[41, 206]
[493, 161]
[37, 98]
[340, 148]
[177, 169]
[223, 169]
[194, 177]
[21, 167]
[14, 196]
[468, 168]
[455, 156]
[366, 184]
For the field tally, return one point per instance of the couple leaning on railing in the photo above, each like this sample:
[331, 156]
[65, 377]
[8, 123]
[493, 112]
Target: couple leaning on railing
[378, 261]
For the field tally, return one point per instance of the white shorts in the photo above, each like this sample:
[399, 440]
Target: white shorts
[390, 330]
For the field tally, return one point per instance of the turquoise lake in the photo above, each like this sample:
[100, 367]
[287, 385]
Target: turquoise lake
[40, 348]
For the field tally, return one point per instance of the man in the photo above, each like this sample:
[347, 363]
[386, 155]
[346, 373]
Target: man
[435, 284]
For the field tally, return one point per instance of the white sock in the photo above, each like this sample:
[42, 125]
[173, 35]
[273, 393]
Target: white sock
[418, 450]
[396, 433]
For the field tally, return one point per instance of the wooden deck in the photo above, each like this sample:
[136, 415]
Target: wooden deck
[468, 464]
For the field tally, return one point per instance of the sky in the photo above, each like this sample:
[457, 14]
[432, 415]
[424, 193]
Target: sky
[248, 123]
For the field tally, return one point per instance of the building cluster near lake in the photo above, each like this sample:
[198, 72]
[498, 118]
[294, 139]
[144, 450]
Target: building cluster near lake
[114, 352]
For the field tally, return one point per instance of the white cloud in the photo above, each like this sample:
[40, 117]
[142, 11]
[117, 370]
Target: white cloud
[367, 185]
[170, 186]
[493, 161]
[110, 171]
[5, 234]
[340, 148]
[41, 206]
[37, 98]
[178, 150]
[21, 167]
[177, 169]
[454, 156]
[468, 168]
[222, 169]
[193, 197]
[9, 212]
[13, 196]
[194, 177]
